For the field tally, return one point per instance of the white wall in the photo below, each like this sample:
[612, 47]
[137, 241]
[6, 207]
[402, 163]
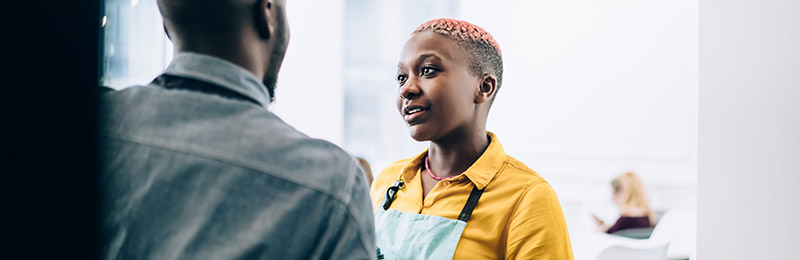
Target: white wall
[749, 139]
[309, 94]
[595, 88]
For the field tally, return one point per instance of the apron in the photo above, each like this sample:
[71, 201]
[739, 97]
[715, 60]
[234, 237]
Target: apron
[415, 236]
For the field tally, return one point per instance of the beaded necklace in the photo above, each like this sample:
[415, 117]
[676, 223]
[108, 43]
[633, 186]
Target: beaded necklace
[428, 169]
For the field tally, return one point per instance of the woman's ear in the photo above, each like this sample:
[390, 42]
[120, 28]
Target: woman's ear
[261, 17]
[487, 89]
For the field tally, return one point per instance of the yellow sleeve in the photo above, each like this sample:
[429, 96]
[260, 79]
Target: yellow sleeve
[537, 229]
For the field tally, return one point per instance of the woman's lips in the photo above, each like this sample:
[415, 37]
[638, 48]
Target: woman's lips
[415, 115]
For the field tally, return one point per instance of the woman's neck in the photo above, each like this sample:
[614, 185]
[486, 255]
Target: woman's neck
[454, 156]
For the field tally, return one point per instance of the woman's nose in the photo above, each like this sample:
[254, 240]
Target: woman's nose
[410, 90]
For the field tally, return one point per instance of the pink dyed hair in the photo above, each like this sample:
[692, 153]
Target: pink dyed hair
[461, 30]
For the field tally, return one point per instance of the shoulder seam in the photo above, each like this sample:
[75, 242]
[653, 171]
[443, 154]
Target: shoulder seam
[513, 164]
[516, 204]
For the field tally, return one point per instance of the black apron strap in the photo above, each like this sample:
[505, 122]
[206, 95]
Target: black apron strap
[391, 194]
[466, 212]
[472, 201]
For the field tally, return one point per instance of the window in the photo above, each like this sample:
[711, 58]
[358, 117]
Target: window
[136, 48]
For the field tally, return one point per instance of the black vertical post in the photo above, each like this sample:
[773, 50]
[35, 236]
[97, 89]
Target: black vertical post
[49, 169]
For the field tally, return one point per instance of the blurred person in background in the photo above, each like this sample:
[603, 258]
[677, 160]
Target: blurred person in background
[463, 197]
[634, 207]
[195, 166]
[367, 169]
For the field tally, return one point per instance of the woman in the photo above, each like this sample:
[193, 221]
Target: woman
[630, 198]
[463, 197]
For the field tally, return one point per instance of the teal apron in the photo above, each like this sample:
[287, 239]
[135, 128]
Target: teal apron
[414, 236]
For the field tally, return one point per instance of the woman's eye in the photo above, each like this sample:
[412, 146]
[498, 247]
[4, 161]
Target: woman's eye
[428, 71]
[401, 79]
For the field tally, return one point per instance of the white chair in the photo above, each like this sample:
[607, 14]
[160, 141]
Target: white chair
[620, 252]
[678, 227]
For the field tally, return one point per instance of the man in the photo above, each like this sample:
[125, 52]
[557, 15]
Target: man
[196, 167]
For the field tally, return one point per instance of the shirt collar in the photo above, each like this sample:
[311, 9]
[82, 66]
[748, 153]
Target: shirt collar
[480, 173]
[219, 72]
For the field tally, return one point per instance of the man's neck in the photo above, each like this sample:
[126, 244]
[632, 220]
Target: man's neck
[247, 56]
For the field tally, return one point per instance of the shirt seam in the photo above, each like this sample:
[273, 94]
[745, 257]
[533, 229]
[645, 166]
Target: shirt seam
[211, 154]
[521, 168]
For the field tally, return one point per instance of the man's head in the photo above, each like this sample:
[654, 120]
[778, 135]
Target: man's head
[253, 34]
[449, 73]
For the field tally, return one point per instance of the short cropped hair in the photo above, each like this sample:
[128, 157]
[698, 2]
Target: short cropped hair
[483, 51]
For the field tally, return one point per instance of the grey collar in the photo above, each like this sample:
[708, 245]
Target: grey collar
[219, 72]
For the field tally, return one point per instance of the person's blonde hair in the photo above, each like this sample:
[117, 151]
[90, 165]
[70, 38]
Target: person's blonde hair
[630, 187]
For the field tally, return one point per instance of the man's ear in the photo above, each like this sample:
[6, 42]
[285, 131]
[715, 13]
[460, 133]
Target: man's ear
[261, 16]
[486, 89]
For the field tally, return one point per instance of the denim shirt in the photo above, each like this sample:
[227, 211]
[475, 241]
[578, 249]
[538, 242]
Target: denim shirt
[192, 174]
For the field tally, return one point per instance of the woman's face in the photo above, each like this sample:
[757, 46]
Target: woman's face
[437, 90]
[618, 199]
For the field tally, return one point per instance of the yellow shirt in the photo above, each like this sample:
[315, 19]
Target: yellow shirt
[518, 216]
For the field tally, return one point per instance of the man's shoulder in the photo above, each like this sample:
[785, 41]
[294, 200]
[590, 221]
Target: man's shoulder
[310, 162]
[263, 142]
[110, 94]
[227, 132]
[267, 137]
